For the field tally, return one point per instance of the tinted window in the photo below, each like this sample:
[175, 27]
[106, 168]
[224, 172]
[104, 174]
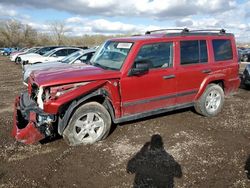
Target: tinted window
[158, 55]
[193, 52]
[70, 51]
[222, 50]
[63, 52]
[203, 51]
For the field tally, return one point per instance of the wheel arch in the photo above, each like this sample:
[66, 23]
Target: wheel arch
[100, 96]
[218, 79]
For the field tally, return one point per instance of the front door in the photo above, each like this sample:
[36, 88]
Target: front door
[156, 88]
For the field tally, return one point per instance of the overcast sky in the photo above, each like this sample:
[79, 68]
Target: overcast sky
[131, 16]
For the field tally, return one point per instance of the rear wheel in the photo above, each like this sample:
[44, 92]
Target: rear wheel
[211, 101]
[90, 123]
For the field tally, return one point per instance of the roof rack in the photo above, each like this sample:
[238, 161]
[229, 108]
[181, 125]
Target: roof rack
[222, 31]
[184, 30]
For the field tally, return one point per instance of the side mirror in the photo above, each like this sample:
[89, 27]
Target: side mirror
[54, 55]
[140, 67]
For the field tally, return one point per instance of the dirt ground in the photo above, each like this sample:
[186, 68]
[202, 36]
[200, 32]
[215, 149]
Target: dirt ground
[199, 151]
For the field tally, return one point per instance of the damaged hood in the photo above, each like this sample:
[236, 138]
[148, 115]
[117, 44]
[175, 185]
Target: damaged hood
[72, 74]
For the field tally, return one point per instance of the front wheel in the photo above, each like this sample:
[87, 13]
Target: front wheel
[90, 123]
[211, 101]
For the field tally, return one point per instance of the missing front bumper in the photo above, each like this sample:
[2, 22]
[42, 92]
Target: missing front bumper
[26, 128]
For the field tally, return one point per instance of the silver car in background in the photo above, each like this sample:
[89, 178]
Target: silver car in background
[81, 56]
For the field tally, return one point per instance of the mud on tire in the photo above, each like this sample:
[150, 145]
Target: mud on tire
[90, 123]
[211, 101]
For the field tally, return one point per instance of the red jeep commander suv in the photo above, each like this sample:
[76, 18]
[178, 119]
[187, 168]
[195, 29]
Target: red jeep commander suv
[127, 79]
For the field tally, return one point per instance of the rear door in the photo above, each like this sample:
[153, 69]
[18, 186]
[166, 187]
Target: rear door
[226, 62]
[193, 67]
[153, 90]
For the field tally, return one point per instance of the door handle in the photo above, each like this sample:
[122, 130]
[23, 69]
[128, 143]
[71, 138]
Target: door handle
[207, 71]
[168, 77]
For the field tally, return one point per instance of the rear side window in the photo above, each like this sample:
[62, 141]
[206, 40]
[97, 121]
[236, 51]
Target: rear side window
[62, 52]
[160, 55]
[222, 50]
[193, 52]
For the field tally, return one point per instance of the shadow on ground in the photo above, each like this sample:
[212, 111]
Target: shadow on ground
[247, 167]
[153, 166]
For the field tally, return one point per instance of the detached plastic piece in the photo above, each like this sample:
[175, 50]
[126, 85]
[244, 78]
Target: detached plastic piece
[30, 133]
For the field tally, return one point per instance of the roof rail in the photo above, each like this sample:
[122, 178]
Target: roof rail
[184, 30]
[221, 31]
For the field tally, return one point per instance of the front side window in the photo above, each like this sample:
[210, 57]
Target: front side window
[222, 49]
[159, 55]
[193, 52]
[111, 55]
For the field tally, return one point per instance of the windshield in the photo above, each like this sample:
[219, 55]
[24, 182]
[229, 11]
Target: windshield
[31, 50]
[111, 55]
[71, 57]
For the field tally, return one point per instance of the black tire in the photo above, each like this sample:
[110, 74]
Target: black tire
[202, 105]
[74, 130]
[16, 60]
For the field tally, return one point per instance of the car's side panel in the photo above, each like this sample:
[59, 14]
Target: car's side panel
[153, 90]
[190, 76]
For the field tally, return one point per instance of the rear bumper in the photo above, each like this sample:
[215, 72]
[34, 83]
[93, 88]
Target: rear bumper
[26, 126]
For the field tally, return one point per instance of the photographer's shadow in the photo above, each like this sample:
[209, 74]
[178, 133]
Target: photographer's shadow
[247, 167]
[153, 166]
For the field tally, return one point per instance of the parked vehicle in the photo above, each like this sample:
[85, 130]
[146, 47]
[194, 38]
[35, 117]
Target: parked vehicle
[53, 55]
[244, 54]
[1, 51]
[40, 51]
[129, 78]
[246, 76]
[8, 51]
[81, 56]
[14, 55]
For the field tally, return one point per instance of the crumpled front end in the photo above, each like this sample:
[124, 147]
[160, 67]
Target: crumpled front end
[30, 123]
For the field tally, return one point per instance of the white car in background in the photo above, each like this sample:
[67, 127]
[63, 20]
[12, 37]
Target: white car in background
[14, 55]
[78, 57]
[53, 55]
[43, 50]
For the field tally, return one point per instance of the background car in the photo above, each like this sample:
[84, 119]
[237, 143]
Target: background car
[1, 51]
[8, 51]
[246, 76]
[81, 56]
[244, 54]
[53, 55]
[40, 51]
[14, 56]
